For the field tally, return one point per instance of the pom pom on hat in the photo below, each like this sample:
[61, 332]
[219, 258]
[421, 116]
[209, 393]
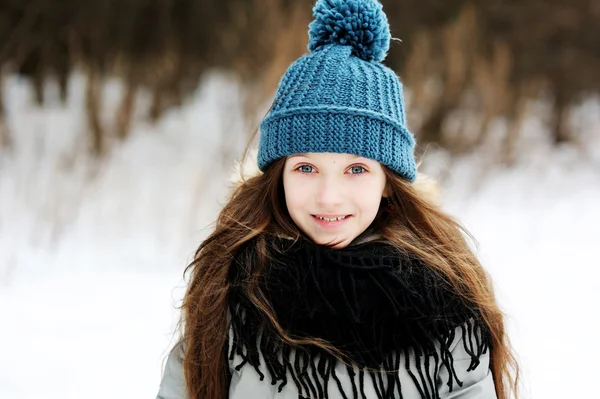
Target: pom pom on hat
[361, 24]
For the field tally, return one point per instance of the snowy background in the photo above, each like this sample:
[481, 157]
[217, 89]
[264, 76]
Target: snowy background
[92, 252]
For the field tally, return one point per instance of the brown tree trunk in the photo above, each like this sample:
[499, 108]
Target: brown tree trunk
[560, 130]
[93, 104]
[5, 139]
[125, 111]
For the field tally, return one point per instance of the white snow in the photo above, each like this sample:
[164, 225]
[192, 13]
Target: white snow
[92, 254]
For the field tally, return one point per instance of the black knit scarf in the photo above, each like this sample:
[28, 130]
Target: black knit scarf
[370, 300]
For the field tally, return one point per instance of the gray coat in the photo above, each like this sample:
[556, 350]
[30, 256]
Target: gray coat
[245, 384]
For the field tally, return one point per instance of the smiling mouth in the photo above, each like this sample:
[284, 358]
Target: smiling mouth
[331, 218]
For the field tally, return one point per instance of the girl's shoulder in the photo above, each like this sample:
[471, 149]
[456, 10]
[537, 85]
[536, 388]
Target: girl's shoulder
[172, 385]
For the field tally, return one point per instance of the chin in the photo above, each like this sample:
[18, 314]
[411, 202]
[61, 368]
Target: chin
[343, 244]
[325, 241]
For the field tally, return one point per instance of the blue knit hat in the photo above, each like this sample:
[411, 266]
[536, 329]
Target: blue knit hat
[340, 97]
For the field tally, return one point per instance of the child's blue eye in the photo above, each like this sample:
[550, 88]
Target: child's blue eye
[305, 168]
[357, 170]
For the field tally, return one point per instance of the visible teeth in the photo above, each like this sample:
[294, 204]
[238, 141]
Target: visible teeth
[331, 219]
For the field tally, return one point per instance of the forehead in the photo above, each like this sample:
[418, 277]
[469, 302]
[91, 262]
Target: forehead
[330, 156]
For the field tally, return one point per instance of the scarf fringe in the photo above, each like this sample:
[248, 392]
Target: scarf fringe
[312, 371]
[354, 300]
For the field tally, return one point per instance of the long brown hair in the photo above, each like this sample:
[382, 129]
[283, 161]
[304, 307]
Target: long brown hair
[257, 208]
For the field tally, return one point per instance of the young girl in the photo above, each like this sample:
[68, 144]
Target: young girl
[329, 274]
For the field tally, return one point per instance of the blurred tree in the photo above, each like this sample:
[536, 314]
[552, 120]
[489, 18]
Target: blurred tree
[466, 62]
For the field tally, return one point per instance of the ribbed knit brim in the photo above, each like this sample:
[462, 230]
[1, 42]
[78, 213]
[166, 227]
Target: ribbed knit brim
[338, 130]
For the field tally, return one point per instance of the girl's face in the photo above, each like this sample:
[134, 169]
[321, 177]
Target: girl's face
[333, 197]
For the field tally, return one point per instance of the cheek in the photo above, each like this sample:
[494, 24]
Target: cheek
[296, 193]
[370, 196]
[370, 203]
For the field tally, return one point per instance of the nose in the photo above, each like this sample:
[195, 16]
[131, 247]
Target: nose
[330, 192]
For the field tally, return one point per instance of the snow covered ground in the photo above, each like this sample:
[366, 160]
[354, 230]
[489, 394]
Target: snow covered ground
[92, 255]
